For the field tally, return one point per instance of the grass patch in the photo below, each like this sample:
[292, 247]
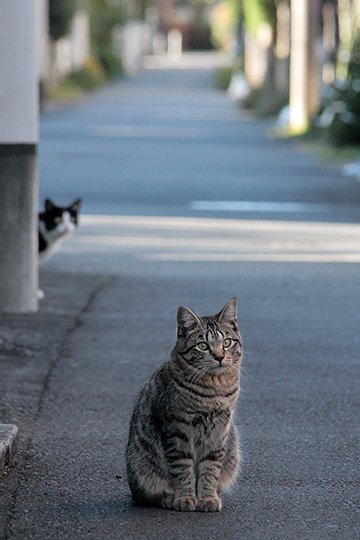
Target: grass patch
[329, 153]
[67, 91]
[324, 150]
[91, 76]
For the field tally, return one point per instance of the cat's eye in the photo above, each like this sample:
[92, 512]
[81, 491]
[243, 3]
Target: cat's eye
[57, 220]
[202, 346]
[226, 343]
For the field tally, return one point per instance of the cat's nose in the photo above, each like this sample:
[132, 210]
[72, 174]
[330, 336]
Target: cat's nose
[219, 357]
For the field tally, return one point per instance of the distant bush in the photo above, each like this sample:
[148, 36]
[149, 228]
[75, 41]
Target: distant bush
[90, 76]
[339, 119]
[66, 91]
[105, 16]
[85, 79]
[110, 61]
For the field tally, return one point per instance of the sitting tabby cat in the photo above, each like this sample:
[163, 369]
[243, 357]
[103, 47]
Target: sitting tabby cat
[55, 223]
[183, 451]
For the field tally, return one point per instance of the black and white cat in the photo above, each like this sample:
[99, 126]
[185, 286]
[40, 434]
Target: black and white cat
[55, 224]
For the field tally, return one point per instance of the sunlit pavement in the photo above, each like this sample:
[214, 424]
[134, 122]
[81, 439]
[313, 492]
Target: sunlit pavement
[119, 244]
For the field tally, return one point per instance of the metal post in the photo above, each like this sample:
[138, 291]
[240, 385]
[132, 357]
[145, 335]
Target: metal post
[19, 76]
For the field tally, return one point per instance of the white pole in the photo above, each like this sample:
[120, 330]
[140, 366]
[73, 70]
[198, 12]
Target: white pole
[298, 65]
[19, 81]
[304, 68]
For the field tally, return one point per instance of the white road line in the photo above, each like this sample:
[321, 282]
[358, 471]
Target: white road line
[259, 206]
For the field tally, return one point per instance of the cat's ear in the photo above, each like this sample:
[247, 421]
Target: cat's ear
[228, 314]
[49, 205]
[187, 321]
[76, 205]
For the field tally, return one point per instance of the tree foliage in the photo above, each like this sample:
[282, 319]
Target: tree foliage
[104, 16]
[224, 20]
[256, 12]
[232, 14]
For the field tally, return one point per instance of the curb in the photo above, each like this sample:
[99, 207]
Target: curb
[8, 440]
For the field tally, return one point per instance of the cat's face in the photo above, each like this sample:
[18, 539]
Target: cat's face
[60, 221]
[209, 344]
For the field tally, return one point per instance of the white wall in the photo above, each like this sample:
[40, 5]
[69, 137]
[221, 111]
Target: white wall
[19, 71]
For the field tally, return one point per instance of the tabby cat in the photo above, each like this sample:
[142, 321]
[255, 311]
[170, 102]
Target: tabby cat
[183, 450]
[55, 223]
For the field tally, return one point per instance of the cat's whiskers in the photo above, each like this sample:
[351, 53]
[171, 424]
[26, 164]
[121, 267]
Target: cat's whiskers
[245, 373]
[198, 374]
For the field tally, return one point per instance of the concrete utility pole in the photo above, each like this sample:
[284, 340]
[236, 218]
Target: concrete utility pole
[18, 144]
[304, 84]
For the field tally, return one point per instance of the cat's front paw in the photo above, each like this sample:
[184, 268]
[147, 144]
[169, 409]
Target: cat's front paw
[167, 501]
[209, 504]
[185, 504]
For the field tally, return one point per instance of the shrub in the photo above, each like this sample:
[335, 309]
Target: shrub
[110, 61]
[86, 79]
[89, 77]
[105, 16]
[339, 119]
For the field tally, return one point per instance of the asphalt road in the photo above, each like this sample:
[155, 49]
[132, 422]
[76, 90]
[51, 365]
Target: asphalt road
[158, 159]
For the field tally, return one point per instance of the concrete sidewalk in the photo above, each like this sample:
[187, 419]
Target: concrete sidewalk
[30, 348]
[74, 369]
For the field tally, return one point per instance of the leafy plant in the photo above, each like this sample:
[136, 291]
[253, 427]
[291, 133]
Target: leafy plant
[256, 12]
[339, 119]
[104, 17]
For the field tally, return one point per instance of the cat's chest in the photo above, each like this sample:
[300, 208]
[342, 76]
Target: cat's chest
[209, 427]
[50, 240]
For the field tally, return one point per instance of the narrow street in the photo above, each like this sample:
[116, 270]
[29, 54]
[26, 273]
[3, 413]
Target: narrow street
[189, 201]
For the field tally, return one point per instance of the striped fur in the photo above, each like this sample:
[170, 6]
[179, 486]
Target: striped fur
[183, 450]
